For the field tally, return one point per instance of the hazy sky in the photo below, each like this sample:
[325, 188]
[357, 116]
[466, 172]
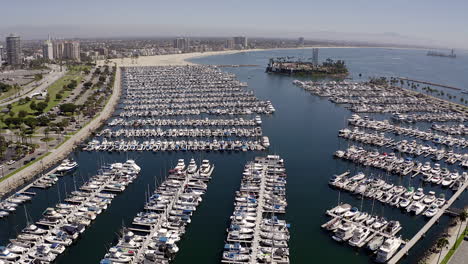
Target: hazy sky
[414, 21]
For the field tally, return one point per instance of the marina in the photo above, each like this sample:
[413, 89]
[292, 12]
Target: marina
[180, 92]
[359, 229]
[367, 97]
[43, 181]
[59, 227]
[405, 146]
[408, 199]
[256, 234]
[167, 212]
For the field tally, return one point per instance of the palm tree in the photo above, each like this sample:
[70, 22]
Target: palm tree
[441, 243]
[463, 216]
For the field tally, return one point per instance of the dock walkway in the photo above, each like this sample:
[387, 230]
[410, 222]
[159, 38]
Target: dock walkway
[400, 254]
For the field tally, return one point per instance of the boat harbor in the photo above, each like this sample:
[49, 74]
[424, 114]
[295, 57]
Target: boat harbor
[404, 146]
[411, 200]
[166, 214]
[256, 234]
[402, 150]
[358, 229]
[206, 108]
[386, 126]
[62, 225]
[371, 98]
[43, 181]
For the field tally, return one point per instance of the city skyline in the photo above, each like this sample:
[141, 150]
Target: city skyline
[364, 21]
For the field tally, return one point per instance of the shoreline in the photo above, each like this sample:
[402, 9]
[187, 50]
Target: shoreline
[183, 58]
[452, 237]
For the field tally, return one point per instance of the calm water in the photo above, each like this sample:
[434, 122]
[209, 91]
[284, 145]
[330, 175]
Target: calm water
[303, 131]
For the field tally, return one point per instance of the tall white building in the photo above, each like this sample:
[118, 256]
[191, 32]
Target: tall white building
[71, 50]
[48, 50]
[182, 43]
[13, 50]
[240, 42]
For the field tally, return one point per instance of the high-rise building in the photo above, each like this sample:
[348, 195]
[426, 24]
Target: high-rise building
[229, 44]
[1, 54]
[300, 42]
[182, 44]
[57, 49]
[71, 50]
[315, 53]
[47, 50]
[13, 49]
[240, 42]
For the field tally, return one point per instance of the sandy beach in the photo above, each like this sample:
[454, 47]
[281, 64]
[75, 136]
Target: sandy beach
[182, 59]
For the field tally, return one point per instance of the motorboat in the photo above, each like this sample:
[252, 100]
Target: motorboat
[429, 198]
[67, 165]
[416, 208]
[359, 237]
[388, 249]
[375, 243]
[344, 232]
[418, 195]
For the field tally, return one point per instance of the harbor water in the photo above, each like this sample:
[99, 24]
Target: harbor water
[303, 130]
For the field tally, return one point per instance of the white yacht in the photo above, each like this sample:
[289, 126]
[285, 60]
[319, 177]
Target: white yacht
[344, 232]
[206, 168]
[388, 249]
[359, 236]
[429, 198]
[416, 207]
[180, 165]
[67, 165]
[192, 167]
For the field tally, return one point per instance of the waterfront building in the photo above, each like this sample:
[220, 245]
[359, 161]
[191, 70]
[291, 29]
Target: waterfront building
[240, 42]
[229, 44]
[315, 56]
[57, 49]
[13, 49]
[182, 44]
[300, 42]
[71, 50]
[103, 51]
[47, 50]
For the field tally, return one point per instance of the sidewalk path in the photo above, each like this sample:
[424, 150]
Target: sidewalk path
[61, 152]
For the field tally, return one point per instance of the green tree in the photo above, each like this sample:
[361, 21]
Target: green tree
[441, 243]
[32, 105]
[22, 114]
[67, 108]
[462, 217]
[41, 106]
[31, 122]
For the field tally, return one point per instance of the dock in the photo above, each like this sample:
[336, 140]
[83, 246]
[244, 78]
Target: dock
[259, 179]
[405, 250]
[429, 83]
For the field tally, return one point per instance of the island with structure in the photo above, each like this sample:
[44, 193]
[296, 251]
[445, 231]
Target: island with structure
[311, 66]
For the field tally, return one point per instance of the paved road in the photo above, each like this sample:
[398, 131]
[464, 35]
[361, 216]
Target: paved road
[461, 255]
[61, 152]
[47, 80]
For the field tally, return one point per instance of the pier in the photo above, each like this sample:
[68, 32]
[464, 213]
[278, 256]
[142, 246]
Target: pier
[429, 83]
[405, 250]
[253, 235]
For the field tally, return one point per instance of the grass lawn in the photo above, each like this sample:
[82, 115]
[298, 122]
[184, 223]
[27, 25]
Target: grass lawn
[52, 90]
[454, 247]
